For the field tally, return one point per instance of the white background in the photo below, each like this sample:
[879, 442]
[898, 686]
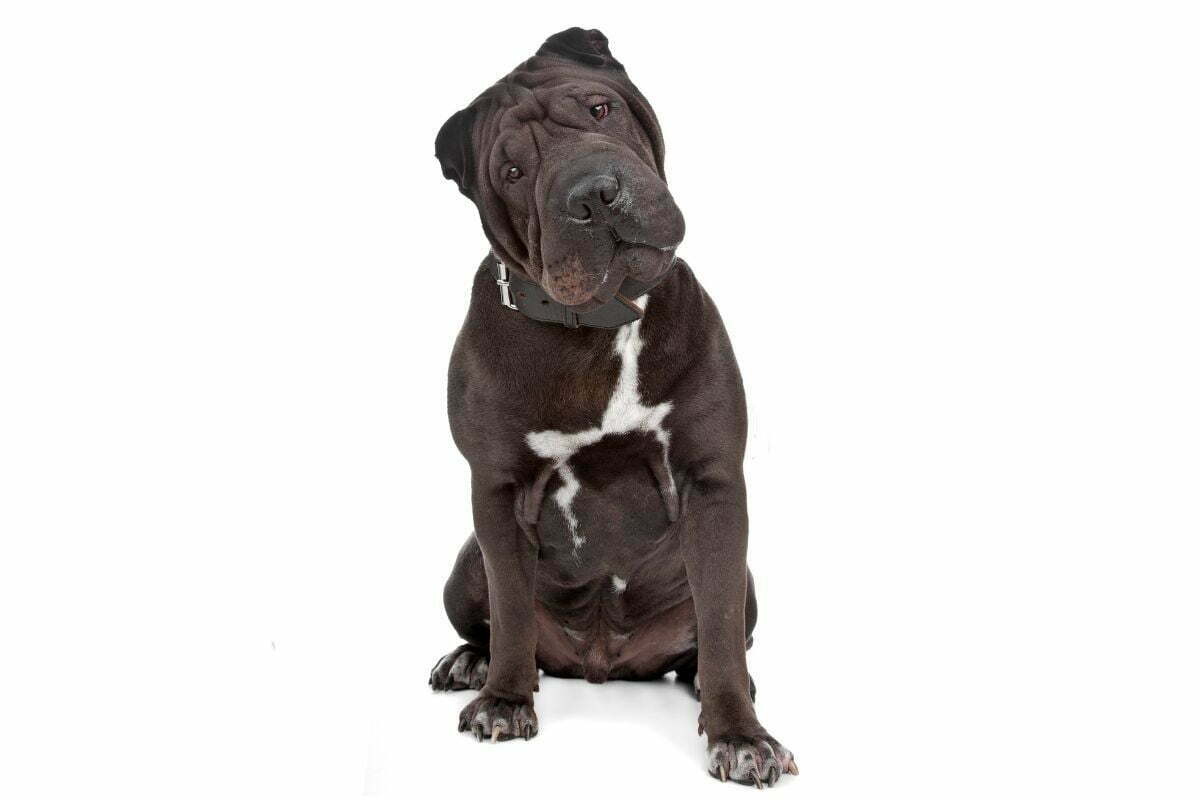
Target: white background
[956, 247]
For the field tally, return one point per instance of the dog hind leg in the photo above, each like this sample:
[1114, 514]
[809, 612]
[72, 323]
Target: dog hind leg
[466, 600]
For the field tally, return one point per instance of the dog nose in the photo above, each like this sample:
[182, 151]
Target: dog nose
[590, 195]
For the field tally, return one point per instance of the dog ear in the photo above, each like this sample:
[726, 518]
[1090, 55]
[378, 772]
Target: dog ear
[454, 150]
[589, 48]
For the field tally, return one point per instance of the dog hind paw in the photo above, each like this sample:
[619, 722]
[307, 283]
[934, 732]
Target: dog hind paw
[465, 667]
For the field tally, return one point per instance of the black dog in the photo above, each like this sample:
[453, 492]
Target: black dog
[595, 394]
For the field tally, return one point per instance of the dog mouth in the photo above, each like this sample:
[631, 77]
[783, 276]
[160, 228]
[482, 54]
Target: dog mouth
[583, 290]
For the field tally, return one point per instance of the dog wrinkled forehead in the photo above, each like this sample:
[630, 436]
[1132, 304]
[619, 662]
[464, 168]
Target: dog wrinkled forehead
[571, 55]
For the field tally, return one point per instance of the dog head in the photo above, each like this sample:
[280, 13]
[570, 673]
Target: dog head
[563, 158]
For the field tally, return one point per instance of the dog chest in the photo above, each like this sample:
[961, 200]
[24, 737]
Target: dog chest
[610, 496]
[616, 469]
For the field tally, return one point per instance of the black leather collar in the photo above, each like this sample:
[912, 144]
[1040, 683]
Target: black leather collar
[532, 300]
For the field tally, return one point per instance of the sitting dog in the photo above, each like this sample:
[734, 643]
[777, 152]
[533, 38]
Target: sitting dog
[594, 392]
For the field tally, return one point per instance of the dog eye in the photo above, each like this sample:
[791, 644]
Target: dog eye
[599, 111]
[513, 173]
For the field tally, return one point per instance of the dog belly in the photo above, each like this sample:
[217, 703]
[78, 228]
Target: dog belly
[613, 596]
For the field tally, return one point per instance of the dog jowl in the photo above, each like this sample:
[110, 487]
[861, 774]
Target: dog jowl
[596, 397]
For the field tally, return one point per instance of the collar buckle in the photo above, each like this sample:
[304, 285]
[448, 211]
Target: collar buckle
[506, 298]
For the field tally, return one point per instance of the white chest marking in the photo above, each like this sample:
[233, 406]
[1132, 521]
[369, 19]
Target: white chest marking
[624, 413]
[619, 583]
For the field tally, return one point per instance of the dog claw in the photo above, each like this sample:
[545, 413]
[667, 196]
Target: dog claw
[497, 720]
[757, 761]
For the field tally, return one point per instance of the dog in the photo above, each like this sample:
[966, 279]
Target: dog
[594, 392]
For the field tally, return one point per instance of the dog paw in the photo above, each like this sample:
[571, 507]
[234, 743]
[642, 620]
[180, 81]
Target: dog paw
[464, 667]
[490, 717]
[751, 760]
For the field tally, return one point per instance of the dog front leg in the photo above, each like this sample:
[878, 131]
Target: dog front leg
[504, 708]
[713, 536]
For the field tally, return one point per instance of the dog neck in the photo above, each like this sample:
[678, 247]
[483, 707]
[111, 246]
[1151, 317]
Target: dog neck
[526, 296]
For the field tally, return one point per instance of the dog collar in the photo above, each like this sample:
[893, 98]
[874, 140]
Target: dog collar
[532, 300]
